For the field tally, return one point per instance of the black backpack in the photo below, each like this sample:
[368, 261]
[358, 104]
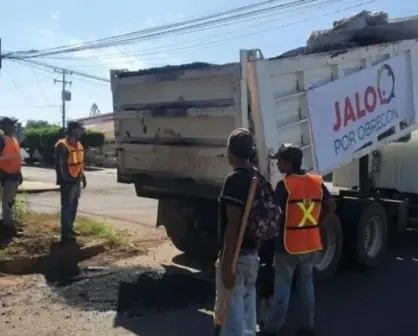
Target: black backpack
[264, 218]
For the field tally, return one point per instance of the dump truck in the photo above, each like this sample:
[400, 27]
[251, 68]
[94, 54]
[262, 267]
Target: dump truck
[343, 107]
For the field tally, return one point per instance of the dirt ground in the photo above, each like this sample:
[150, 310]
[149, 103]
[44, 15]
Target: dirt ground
[40, 237]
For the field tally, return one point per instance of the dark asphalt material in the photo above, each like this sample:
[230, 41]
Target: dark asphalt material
[380, 302]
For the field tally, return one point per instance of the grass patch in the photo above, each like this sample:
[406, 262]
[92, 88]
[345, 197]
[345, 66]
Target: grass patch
[88, 227]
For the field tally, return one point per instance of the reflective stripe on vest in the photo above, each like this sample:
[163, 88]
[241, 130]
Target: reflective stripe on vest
[302, 234]
[10, 160]
[75, 157]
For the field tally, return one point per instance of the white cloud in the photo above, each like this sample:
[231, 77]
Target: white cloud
[55, 15]
[118, 57]
[112, 57]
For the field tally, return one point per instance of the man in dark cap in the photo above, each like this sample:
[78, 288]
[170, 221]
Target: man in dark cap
[302, 196]
[69, 154]
[240, 318]
[10, 172]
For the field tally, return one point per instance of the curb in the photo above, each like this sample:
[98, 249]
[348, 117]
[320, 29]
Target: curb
[37, 191]
[87, 168]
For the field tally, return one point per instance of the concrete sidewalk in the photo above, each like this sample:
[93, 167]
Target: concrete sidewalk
[35, 187]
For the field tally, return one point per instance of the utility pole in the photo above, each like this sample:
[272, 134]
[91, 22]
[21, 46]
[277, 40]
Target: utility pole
[65, 95]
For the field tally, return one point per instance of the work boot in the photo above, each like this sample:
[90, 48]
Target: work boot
[68, 239]
[8, 230]
[75, 233]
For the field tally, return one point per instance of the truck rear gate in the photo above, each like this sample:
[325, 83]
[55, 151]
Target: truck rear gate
[173, 125]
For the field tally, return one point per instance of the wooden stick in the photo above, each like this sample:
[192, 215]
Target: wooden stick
[220, 313]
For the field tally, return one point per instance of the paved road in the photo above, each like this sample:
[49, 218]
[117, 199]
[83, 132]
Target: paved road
[102, 197]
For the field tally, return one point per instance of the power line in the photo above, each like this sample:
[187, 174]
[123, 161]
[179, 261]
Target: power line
[61, 69]
[19, 107]
[156, 50]
[243, 35]
[158, 28]
[40, 88]
[167, 29]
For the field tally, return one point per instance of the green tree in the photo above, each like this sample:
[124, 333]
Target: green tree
[37, 124]
[44, 139]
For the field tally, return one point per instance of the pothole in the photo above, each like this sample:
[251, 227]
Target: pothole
[135, 291]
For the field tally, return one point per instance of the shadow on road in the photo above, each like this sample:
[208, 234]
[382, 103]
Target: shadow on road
[150, 302]
[381, 302]
[189, 321]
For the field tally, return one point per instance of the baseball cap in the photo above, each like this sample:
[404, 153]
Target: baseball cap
[73, 125]
[288, 152]
[6, 121]
[241, 143]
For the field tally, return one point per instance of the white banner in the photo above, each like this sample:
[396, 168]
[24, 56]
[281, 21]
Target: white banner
[350, 113]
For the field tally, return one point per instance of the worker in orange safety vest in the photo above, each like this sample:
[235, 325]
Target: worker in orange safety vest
[69, 154]
[303, 197]
[10, 173]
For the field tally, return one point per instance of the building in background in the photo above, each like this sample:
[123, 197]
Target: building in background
[103, 123]
[106, 156]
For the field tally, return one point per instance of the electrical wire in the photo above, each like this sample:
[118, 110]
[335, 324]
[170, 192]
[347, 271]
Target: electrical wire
[153, 51]
[244, 35]
[40, 88]
[19, 107]
[54, 67]
[163, 30]
[167, 26]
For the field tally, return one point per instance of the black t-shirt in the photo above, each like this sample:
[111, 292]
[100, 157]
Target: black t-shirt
[235, 193]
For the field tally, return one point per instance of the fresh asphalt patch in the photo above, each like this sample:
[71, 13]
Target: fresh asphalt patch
[134, 292]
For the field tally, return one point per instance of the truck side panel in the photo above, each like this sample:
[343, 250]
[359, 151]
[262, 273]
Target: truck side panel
[279, 102]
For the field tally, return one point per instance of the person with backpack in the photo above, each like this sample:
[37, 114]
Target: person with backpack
[240, 316]
[302, 196]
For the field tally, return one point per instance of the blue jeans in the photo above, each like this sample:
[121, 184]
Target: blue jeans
[286, 266]
[240, 318]
[70, 194]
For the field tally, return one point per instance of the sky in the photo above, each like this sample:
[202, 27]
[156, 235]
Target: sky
[28, 92]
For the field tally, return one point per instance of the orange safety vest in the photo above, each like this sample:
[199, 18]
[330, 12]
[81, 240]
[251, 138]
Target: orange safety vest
[10, 161]
[302, 234]
[75, 157]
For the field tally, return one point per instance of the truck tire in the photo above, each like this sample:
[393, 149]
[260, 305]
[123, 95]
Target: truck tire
[369, 239]
[179, 220]
[332, 240]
